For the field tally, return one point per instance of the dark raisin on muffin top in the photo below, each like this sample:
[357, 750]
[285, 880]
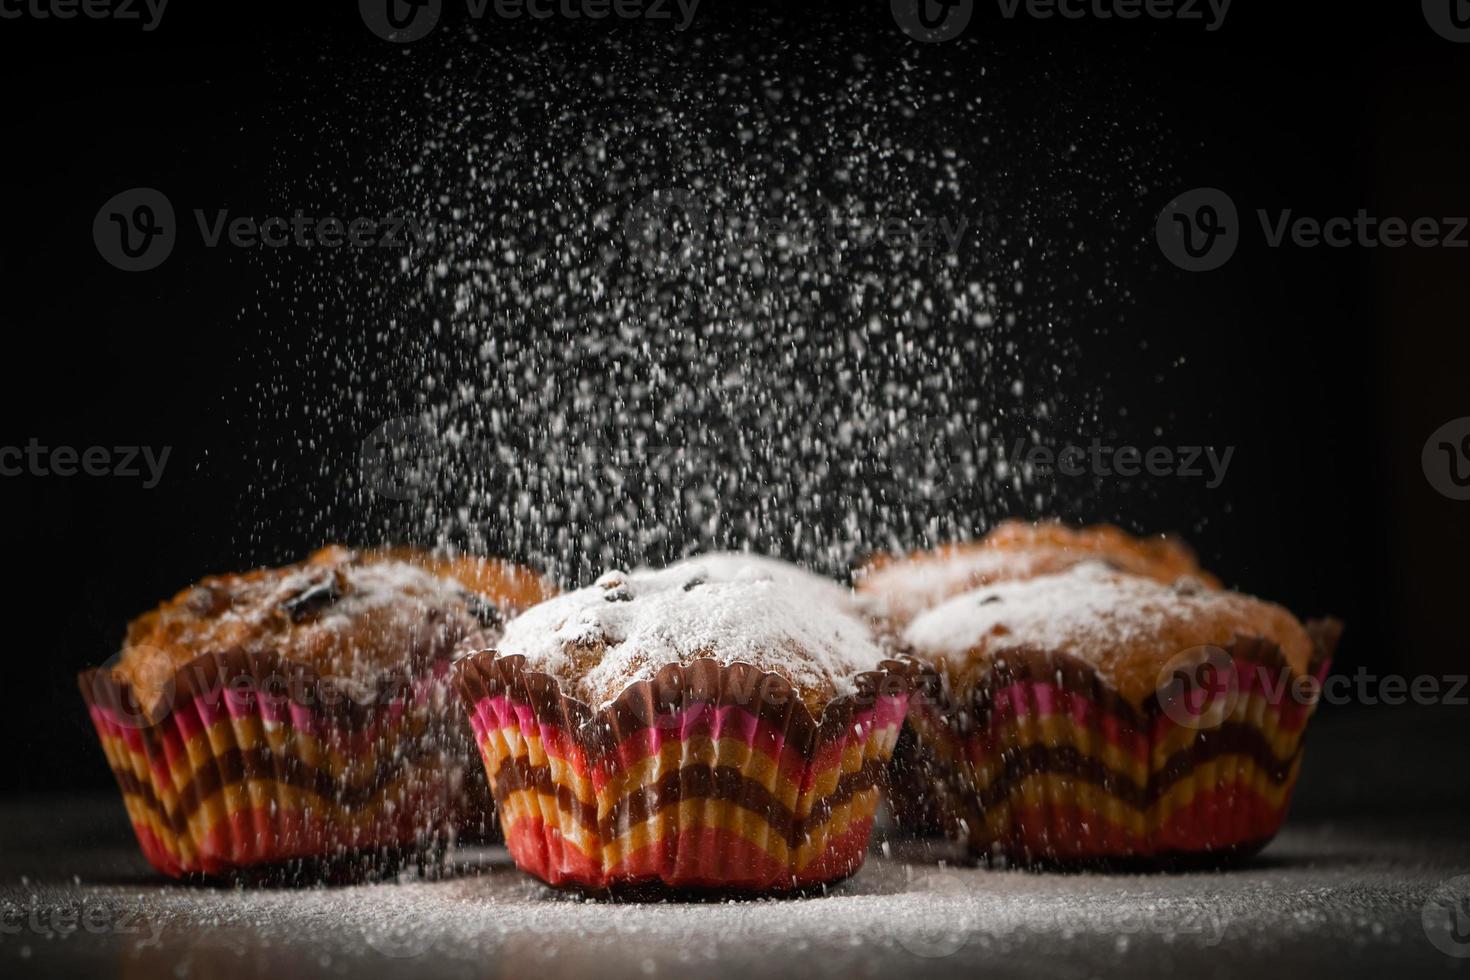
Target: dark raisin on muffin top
[726, 607]
[1127, 627]
[340, 612]
[897, 588]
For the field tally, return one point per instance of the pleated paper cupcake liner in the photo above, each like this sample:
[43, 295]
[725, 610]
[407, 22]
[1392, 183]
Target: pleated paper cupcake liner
[707, 777]
[251, 761]
[1043, 762]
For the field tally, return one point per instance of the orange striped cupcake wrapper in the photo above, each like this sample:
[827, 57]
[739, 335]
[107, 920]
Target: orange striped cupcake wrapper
[707, 777]
[1041, 761]
[252, 761]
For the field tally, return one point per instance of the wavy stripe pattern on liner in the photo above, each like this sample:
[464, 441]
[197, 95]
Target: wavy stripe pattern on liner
[690, 781]
[225, 779]
[1048, 764]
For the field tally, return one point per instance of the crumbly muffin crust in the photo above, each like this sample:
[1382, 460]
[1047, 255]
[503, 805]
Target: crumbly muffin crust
[1126, 626]
[730, 608]
[898, 588]
[340, 612]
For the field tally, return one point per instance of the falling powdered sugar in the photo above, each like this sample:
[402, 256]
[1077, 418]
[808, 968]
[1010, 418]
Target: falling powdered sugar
[776, 282]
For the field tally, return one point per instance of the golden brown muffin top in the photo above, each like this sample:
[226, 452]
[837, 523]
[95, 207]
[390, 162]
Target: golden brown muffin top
[898, 588]
[730, 608]
[1126, 626]
[340, 612]
[512, 588]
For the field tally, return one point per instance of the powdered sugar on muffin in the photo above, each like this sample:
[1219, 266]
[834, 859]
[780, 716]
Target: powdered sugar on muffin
[898, 589]
[730, 608]
[739, 566]
[340, 612]
[1126, 626]
[901, 590]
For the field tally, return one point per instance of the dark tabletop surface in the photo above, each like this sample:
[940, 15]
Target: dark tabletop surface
[1355, 884]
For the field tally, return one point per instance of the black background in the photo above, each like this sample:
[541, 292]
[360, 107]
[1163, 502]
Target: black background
[1327, 369]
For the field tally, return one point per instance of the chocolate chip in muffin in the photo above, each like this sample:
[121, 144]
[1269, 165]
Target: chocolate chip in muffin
[615, 583]
[1188, 585]
[207, 600]
[313, 599]
[485, 612]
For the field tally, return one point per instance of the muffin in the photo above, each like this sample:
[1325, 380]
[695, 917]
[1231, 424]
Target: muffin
[734, 566]
[1093, 716]
[299, 713]
[719, 725]
[895, 589]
